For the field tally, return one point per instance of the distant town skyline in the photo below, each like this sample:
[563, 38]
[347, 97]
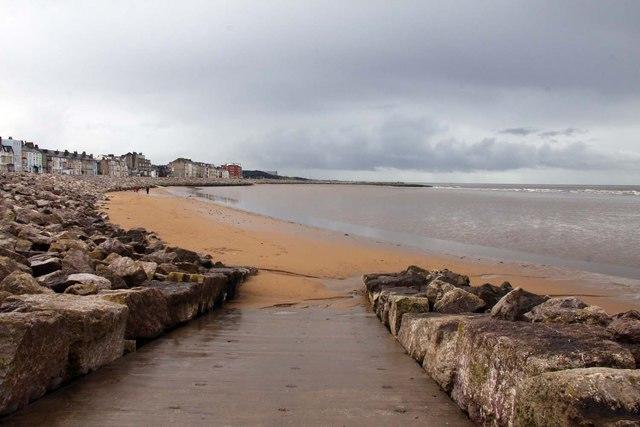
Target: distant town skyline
[425, 91]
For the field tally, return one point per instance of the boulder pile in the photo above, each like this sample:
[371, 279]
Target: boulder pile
[77, 291]
[509, 357]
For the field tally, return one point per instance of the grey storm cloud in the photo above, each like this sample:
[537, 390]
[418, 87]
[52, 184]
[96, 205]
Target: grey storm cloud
[518, 131]
[200, 78]
[414, 145]
[563, 132]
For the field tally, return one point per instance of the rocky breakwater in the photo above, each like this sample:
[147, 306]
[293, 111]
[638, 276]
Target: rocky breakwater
[512, 358]
[76, 292]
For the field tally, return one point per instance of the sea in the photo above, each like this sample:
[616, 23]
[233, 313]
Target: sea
[590, 228]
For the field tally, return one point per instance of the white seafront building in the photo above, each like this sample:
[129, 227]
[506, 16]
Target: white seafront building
[16, 146]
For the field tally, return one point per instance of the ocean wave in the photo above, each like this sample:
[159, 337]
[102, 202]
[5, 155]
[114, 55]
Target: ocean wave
[573, 190]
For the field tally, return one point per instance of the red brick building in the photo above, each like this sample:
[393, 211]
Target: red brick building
[235, 170]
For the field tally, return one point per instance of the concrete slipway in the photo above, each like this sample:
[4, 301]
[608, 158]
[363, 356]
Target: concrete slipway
[248, 366]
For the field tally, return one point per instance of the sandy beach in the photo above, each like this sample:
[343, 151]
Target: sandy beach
[302, 265]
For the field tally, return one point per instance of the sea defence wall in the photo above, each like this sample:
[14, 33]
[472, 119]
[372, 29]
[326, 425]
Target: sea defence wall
[512, 358]
[77, 292]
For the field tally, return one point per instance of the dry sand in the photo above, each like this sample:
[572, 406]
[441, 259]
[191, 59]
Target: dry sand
[308, 266]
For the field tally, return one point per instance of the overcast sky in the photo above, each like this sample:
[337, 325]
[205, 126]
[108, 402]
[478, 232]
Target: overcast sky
[501, 91]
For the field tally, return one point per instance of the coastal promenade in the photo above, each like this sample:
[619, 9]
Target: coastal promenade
[299, 343]
[250, 366]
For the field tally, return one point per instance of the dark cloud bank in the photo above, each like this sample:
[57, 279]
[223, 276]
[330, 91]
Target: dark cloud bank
[302, 84]
[415, 146]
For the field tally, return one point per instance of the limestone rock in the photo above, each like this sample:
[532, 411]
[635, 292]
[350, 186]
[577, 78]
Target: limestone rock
[95, 326]
[18, 283]
[490, 294]
[111, 257]
[82, 289]
[457, 280]
[496, 356]
[185, 300]
[148, 315]
[40, 267]
[184, 255]
[515, 304]
[77, 261]
[20, 259]
[115, 246]
[149, 268]
[458, 301]
[436, 289]
[33, 357]
[432, 340]
[585, 397]
[4, 295]
[129, 270]
[130, 346]
[408, 278]
[9, 265]
[383, 303]
[399, 305]
[161, 256]
[568, 310]
[235, 276]
[66, 244]
[626, 327]
[167, 268]
[56, 281]
[84, 278]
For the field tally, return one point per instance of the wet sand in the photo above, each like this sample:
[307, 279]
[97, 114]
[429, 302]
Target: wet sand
[307, 265]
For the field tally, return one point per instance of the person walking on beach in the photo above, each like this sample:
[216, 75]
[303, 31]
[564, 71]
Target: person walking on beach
[147, 188]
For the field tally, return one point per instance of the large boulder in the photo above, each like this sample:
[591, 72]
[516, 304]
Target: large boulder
[83, 289]
[77, 261]
[132, 272]
[185, 300]
[490, 294]
[95, 326]
[9, 265]
[115, 246]
[457, 280]
[38, 239]
[399, 305]
[45, 265]
[149, 268]
[21, 259]
[411, 277]
[56, 281]
[568, 310]
[515, 304]
[161, 256]
[432, 340]
[66, 244]
[626, 327]
[235, 276]
[148, 315]
[99, 282]
[19, 283]
[184, 255]
[167, 268]
[382, 302]
[33, 357]
[458, 301]
[436, 289]
[580, 397]
[495, 357]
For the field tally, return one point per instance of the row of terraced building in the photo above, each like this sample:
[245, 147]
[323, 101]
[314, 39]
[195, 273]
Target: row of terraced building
[22, 156]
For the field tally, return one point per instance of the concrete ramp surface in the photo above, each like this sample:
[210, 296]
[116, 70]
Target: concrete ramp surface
[241, 366]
